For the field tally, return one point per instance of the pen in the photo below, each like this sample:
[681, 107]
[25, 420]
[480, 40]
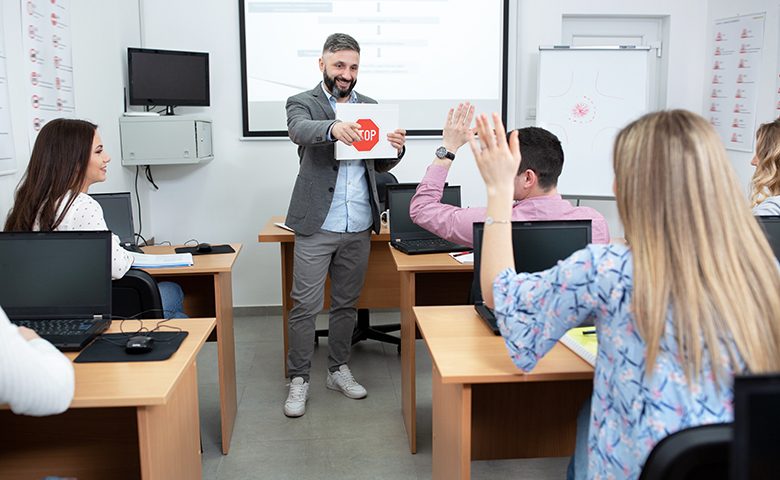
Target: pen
[460, 254]
[589, 332]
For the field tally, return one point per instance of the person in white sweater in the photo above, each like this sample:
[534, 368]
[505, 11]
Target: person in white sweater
[67, 158]
[35, 378]
[765, 185]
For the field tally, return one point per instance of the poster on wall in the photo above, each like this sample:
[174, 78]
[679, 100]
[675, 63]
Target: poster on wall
[47, 50]
[736, 51]
[7, 155]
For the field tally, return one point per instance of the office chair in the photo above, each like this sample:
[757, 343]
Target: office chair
[363, 329]
[136, 296]
[693, 453]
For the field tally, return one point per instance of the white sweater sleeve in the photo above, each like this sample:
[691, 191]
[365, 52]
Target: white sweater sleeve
[86, 214]
[35, 378]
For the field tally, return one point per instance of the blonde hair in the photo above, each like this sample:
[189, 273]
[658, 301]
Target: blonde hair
[697, 250]
[766, 178]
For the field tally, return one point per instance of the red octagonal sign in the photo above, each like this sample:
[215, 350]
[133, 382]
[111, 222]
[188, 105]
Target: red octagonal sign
[369, 135]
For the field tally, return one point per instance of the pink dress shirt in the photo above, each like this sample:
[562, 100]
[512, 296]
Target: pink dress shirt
[456, 224]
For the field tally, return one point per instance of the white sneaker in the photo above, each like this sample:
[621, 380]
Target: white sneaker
[343, 381]
[295, 405]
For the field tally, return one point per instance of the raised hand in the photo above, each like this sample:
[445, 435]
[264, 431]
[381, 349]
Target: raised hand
[457, 129]
[497, 160]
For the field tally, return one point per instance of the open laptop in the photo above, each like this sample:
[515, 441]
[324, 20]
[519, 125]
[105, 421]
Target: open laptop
[756, 440]
[407, 236]
[58, 284]
[771, 225]
[537, 246]
[118, 212]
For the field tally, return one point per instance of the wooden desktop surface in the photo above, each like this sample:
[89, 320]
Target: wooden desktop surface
[429, 262]
[212, 263]
[128, 420]
[485, 408]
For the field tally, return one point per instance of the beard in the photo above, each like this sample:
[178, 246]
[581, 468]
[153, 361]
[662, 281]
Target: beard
[330, 84]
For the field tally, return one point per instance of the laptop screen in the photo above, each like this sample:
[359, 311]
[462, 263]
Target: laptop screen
[399, 196]
[118, 212]
[771, 225]
[55, 274]
[537, 245]
[756, 421]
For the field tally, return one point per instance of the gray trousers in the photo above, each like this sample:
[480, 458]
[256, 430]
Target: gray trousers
[344, 257]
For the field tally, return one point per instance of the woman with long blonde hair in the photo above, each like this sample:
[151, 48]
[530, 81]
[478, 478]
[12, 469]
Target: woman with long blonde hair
[689, 302]
[765, 194]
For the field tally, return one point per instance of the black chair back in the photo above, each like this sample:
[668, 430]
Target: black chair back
[693, 453]
[136, 296]
[383, 179]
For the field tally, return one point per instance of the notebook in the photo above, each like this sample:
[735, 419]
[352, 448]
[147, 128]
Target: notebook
[583, 342]
[58, 284]
[771, 226]
[407, 236]
[537, 246]
[756, 420]
[118, 212]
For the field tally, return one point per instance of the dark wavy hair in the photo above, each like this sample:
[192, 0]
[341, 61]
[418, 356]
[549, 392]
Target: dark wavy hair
[541, 152]
[58, 165]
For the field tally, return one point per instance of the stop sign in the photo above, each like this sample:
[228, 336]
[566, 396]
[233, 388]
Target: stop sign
[369, 135]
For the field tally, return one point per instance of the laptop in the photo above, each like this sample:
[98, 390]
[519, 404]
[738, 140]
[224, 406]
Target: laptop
[118, 212]
[756, 441]
[407, 236]
[771, 226]
[537, 246]
[58, 284]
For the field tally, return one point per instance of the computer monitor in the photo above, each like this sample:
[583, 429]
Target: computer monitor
[118, 212]
[537, 245]
[167, 78]
[756, 427]
[771, 226]
[46, 275]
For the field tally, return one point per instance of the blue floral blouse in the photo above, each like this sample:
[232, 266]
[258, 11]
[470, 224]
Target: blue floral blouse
[631, 411]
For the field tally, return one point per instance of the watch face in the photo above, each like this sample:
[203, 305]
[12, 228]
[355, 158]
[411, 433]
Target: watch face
[441, 152]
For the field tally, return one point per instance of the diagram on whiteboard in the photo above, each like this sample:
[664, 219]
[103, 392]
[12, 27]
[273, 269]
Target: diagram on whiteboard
[585, 97]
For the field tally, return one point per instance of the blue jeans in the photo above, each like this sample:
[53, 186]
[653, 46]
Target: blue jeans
[172, 298]
[578, 465]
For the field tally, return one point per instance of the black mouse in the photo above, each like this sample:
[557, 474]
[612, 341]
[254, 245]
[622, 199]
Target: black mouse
[139, 344]
[203, 248]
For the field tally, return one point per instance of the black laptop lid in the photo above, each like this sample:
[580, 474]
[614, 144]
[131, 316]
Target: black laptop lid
[399, 196]
[756, 426]
[771, 225]
[50, 275]
[537, 245]
[118, 212]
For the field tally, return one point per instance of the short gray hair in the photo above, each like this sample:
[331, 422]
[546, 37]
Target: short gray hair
[340, 41]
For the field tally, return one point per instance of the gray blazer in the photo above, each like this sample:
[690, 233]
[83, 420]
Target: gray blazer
[309, 115]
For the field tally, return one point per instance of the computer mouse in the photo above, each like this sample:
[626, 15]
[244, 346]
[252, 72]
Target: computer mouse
[203, 248]
[139, 344]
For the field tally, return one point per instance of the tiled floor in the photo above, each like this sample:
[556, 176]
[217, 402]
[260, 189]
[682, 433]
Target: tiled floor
[337, 438]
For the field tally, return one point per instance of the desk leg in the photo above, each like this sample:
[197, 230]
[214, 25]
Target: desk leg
[408, 337]
[226, 353]
[288, 252]
[169, 435]
[451, 429]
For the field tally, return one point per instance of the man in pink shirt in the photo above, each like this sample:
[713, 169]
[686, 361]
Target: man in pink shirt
[536, 196]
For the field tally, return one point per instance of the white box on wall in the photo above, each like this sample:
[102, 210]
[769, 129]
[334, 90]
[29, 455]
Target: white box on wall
[165, 140]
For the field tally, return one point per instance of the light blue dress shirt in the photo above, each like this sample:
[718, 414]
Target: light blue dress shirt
[350, 210]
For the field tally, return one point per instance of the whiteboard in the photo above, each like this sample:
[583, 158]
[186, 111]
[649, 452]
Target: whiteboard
[585, 96]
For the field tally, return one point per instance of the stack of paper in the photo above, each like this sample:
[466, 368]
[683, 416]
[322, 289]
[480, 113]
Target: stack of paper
[143, 260]
[585, 345]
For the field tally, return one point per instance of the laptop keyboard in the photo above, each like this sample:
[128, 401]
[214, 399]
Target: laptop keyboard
[57, 327]
[427, 243]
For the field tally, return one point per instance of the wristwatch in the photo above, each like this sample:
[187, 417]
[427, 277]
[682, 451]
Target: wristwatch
[442, 152]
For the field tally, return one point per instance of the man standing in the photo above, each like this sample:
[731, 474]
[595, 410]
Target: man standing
[332, 210]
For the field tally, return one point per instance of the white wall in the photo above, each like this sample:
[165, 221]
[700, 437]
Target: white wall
[765, 111]
[231, 197]
[99, 31]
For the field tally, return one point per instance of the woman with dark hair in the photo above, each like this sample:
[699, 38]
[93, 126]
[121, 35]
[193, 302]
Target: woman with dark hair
[67, 158]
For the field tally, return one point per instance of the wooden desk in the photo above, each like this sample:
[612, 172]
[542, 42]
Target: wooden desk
[431, 279]
[126, 421]
[208, 292]
[381, 289]
[484, 407]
